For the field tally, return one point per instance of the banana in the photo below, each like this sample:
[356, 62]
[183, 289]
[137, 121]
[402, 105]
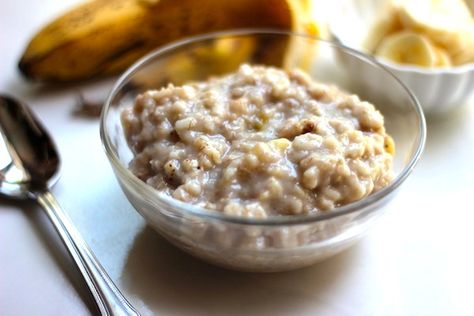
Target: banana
[104, 37]
[388, 23]
[280, 144]
[445, 31]
[434, 15]
[441, 20]
[465, 52]
[442, 58]
[408, 48]
[218, 57]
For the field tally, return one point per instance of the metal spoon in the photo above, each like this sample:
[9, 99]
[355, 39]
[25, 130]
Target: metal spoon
[29, 165]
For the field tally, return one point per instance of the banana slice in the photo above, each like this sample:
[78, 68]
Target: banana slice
[464, 57]
[408, 48]
[281, 144]
[388, 23]
[434, 15]
[465, 53]
[442, 58]
[440, 20]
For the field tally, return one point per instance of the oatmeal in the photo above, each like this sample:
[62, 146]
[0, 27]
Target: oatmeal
[259, 142]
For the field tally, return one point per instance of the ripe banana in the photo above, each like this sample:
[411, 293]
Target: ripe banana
[103, 37]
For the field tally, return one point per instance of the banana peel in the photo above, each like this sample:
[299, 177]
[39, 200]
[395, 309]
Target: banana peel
[104, 37]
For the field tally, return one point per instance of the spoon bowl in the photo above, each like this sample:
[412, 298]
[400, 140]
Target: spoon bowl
[30, 167]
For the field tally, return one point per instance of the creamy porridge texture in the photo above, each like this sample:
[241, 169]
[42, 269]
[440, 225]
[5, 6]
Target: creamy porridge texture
[259, 142]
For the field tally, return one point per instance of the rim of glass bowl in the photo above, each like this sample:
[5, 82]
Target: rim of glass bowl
[194, 210]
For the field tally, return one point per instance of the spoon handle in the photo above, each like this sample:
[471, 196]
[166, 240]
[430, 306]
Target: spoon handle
[107, 296]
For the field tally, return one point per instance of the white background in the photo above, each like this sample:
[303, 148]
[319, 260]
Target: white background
[418, 260]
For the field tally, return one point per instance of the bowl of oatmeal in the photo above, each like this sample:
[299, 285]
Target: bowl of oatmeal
[256, 150]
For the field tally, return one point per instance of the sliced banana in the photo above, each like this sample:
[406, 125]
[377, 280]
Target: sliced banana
[464, 57]
[442, 58]
[429, 33]
[387, 24]
[465, 53]
[434, 15]
[281, 144]
[440, 20]
[408, 48]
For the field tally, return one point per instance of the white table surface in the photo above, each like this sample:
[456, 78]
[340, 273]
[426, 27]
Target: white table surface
[418, 260]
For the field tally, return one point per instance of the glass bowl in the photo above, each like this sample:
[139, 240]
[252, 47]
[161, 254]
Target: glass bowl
[275, 243]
